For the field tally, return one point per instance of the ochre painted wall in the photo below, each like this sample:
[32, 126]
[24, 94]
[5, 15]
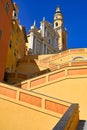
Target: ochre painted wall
[72, 89]
[68, 82]
[42, 62]
[17, 117]
[21, 109]
[16, 47]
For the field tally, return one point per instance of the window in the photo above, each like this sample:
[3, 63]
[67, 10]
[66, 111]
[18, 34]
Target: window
[38, 47]
[45, 28]
[15, 14]
[0, 34]
[56, 24]
[12, 67]
[7, 7]
[63, 40]
[16, 41]
[49, 41]
[15, 52]
[10, 44]
[12, 32]
[44, 48]
[46, 31]
[34, 42]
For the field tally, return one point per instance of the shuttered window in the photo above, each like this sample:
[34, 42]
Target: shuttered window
[0, 34]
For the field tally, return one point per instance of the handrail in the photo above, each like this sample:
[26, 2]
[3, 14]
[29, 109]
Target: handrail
[69, 120]
[39, 101]
[62, 72]
[40, 95]
[70, 51]
[57, 99]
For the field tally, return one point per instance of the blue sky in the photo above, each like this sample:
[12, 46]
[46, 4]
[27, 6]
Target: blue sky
[74, 11]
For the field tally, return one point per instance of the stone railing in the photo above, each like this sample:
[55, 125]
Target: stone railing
[64, 53]
[67, 70]
[44, 62]
[41, 102]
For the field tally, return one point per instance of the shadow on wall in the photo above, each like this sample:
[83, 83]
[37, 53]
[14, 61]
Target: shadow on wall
[30, 66]
[26, 68]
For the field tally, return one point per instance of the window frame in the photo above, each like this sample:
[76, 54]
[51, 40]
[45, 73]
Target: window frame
[10, 44]
[0, 34]
[7, 7]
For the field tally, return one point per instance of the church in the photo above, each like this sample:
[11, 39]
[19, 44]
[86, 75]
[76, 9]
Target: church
[48, 39]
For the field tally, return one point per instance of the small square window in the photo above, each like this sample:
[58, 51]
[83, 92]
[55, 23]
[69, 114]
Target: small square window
[0, 34]
[7, 7]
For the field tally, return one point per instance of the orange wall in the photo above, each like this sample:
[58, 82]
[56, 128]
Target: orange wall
[5, 27]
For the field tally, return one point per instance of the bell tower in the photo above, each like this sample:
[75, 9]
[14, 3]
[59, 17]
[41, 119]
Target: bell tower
[59, 27]
[15, 12]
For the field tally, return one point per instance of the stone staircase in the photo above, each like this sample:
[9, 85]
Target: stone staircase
[34, 66]
[82, 125]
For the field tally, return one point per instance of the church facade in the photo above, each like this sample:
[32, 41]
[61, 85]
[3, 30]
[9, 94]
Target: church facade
[48, 39]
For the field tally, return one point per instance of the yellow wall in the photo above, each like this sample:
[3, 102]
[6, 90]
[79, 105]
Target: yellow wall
[70, 76]
[22, 39]
[21, 109]
[16, 49]
[17, 117]
[70, 88]
[64, 57]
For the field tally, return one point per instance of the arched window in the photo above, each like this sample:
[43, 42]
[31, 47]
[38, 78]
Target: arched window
[56, 24]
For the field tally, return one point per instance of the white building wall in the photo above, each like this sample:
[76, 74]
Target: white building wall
[44, 40]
